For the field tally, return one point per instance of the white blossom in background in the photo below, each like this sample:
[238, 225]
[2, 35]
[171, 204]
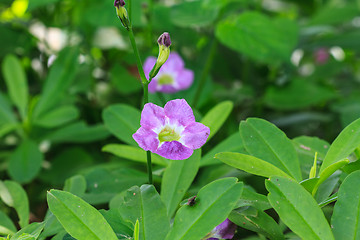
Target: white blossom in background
[106, 38]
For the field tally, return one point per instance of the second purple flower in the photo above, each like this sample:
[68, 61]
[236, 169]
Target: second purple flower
[172, 77]
[171, 131]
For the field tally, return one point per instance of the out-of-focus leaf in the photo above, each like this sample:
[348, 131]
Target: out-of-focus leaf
[265, 141]
[61, 75]
[6, 114]
[16, 82]
[298, 94]
[213, 204]
[176, 180]
[216, 117]
[257, 36]
[75, 185]
[6, 225]
[297, 209]
[349, 110]
[78, 132]
[231, 144]
[133, 153]
[344, 220]
[144, 204]
[123, 81]
[191, 14]
[58, 117]
[345, 143]
[330, 14]
[122, 121]
[79, 218]
[30, 232]
[25, 162]
[13, 195]
[250, 164]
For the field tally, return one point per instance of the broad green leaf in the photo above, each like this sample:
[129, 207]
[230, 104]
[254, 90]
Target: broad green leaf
[133, 153]
[292, 96]
[231, 144]
[348, 108]
[122, 121]
[6, 113]
[30, 232]
[123, 81]
[7, 128]
[16, 83]
[345, 143]
[13, 195]
[216, 117]
[259, 222]
[254, 199]
[176, 180]
[80, 219]
[75, 185]
[265, 141]
[61, 75]
[212, 206]
[329, 14]
[328, 172]
[122, 229]
[103, 184]
[259, 37]
[144, 204]
[58, 117]
[346, 215]
[298, 209]
[6, 225]
[25, 162]
[250, 164]
[78, 132]
[191, 14]
[306, 147]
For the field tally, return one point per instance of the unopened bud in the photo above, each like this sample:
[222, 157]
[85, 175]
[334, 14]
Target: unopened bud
[164, 42]
[122, 13]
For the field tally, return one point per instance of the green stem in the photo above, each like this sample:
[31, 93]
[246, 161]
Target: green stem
[129, 12]
[205, 72]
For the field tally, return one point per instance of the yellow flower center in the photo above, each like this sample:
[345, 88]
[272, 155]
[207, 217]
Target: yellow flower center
[168, 134]
[165, 79]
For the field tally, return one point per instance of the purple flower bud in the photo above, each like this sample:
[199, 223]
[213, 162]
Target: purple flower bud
[164, 39]
[224, 230]
[119, 3]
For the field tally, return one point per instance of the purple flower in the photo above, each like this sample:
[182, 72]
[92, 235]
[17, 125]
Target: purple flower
[224, 230]
[171, 131]
[321, 56]
[172, 76]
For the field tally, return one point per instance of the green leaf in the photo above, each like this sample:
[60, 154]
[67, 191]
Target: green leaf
[78, 132]
[6, 113]
[13, 195]
[144, 204]
[60, 78]
[75, 185]
[231, 144]
[264, 140]
[122, 229]
[16, 83]
[259, 37]
[347, 141]
[6, 225]
[25, 162]
[213, 204]
[329, 14]
[57, 117]
[137, 230]
[216, 117]
[176, 180]
[328, 172]
[291, 96]
[346, 215]
[30, 232]
[133, 153]
[80, 219]
[123, 81]
[122, 121]
[190, 14]
[298, 209]
[259, 222]
[254, 199]
[250, 164]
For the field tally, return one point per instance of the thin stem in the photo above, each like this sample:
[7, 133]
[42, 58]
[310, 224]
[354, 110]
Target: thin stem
[149, 167]
[205, 72]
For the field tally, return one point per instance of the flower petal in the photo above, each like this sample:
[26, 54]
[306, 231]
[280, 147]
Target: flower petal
[195, 135]
[153, 85]
[148, 65]
[185, 79]
[226, 229]
[152, 116]
[174, 150]
[178, 110]
[146, 139]
[168, 89]
[174, 62]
